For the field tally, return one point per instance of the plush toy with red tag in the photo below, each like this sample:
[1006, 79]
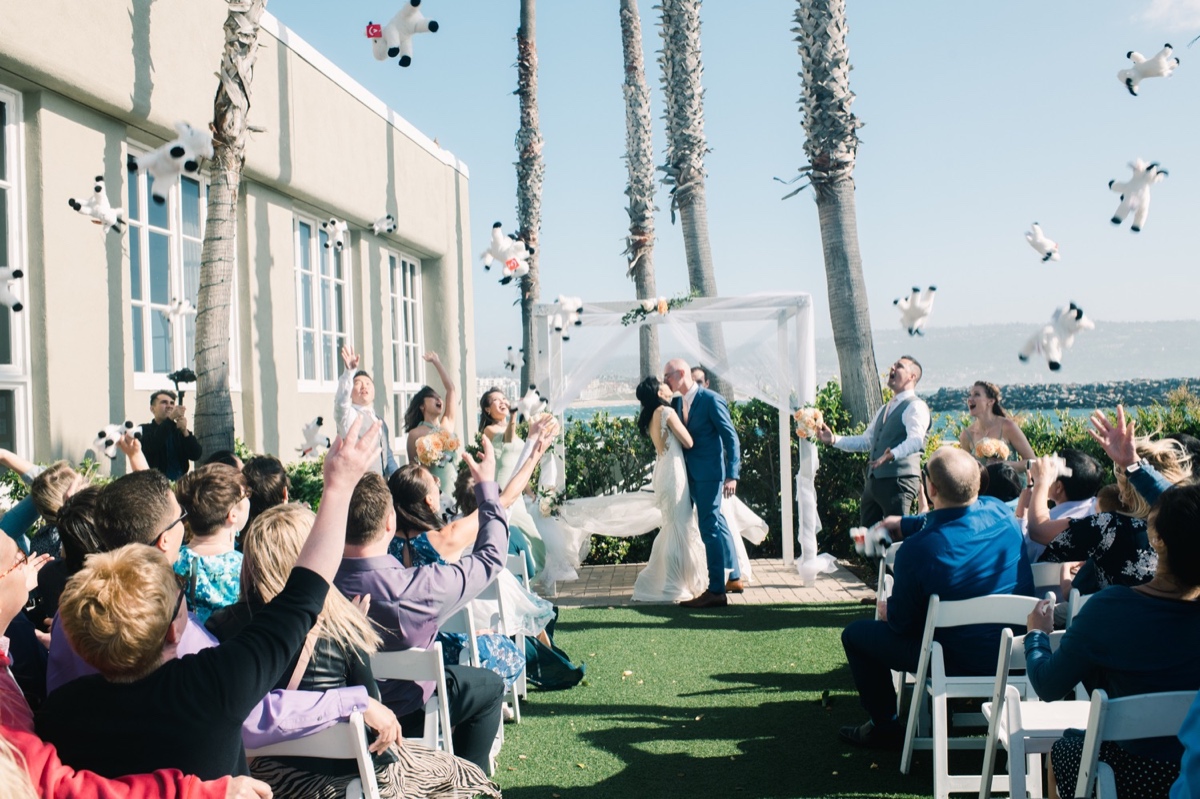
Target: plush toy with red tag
[395, 38]
[510, 252]
[96, 206]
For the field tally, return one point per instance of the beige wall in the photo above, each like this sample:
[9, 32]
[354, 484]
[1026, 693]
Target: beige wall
[329, 149]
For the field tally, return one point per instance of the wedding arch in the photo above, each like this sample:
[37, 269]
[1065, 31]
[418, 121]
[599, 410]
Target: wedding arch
[777, 366]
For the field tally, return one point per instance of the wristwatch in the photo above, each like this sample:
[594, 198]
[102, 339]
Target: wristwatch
[1136, 466]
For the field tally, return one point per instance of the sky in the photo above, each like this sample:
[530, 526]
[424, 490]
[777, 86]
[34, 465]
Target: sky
[980, 118]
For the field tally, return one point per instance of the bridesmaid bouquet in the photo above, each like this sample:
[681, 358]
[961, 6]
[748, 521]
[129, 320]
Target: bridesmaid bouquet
[991, 449]
[808, 422]
[437, 449]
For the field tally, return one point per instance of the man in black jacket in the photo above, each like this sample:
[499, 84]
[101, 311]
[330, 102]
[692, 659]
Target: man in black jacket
[166, 441]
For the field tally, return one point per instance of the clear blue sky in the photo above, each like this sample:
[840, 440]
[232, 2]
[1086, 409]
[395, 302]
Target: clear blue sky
[980, 118]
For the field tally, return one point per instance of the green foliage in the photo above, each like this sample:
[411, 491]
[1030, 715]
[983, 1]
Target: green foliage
[307, 481]
[241, 450]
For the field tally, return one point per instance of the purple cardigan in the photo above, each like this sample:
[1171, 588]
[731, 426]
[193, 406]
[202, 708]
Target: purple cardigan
[409, 603]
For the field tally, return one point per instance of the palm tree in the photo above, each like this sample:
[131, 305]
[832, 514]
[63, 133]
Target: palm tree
[639, 158]
[686, 147]
[831, 145]
[530, 172]
[218, 257]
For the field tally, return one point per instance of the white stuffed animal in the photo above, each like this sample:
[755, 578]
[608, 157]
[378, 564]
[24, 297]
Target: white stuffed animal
[915, 309]
[1037, 240]
[7, 275]
[514, 360]
[571, 313]
[106, 439]
[97, 207]
[395, 38]
[1161, 66]
[179, 308]
[531, 404]
[510, 251]
[1135, 193]
[871, 542]
[384, 224]
[337, 231]
[167, 163]
[1057, 336]
[314, 442]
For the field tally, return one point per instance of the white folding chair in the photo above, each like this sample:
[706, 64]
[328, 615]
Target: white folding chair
[463, 623]
[1046, 577]
[425, 665]
[345, 740]
[1025, 728]
[1075, 603]
[1125, 719]
[932, 681]
[519, 567]
[492, 593]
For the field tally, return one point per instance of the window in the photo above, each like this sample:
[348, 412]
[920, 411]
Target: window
[322, 306]
[15, 423]
[164, 266]
[408, 370]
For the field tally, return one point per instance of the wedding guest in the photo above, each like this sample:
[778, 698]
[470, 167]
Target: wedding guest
[166, 440]
[354, 398]
[428, 413]
[217, 502]
[991, 423]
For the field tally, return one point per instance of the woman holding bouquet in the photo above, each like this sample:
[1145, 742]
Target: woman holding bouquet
[498, 421]
[992, 435]
[429, 422]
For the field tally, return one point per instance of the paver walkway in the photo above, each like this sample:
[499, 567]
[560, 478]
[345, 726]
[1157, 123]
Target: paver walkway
[774, 583]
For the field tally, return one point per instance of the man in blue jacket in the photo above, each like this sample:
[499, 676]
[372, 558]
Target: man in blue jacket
[713, 464]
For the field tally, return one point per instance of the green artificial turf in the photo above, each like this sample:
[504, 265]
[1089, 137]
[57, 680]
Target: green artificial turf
[716, 703]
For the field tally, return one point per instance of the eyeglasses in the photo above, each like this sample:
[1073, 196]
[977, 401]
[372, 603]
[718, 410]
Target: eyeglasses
[171, 526]
[22, 559]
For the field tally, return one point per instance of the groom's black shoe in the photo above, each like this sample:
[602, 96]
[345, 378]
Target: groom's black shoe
[706, 600]
[870, 736]
[735, 586]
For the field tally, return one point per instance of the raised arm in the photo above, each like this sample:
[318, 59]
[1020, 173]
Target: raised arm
[15, 462]
[450, 400]
[678, 429]
[1038, 523]
[131, 445]
[343, 408]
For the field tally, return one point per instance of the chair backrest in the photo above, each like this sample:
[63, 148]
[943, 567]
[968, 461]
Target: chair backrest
[1046, 577]
[463, 623]
[518, 566]
[343, 741]
[1075, 603]
[1127, 719]
[425, 665]
[991, 609]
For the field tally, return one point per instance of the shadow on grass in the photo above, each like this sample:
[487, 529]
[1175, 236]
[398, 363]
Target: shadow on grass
[743, 618]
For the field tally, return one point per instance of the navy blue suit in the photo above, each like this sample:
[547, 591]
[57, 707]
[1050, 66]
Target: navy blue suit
[715, 457]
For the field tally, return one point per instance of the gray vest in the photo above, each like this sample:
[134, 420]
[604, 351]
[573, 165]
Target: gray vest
[890, 433]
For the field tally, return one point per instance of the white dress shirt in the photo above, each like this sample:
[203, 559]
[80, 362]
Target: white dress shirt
[916, 425]
[687, 400]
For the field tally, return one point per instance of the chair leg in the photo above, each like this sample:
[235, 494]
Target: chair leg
[1033, 775]
[941, 749]
[910, 729]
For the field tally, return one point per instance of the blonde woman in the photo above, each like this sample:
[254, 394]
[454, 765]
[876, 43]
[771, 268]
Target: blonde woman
[992, 434]
[336, 653]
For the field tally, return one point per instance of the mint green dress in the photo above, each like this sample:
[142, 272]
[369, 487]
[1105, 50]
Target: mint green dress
[519, 520]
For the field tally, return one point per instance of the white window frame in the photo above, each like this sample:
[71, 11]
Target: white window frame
[15, 377]
[322, 327]
[406, 334]
[150, 380]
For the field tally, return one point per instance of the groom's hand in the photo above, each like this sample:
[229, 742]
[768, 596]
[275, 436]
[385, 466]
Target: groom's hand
[730, 488]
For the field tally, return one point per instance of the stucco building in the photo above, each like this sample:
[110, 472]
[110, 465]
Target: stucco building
[82, 85]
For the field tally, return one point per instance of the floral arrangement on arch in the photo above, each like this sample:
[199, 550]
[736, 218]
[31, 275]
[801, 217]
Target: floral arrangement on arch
[808, 422]
[437, 448]
[661, 306]
[549, 501]
[991, 449]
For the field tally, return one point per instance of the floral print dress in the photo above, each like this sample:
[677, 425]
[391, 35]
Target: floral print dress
[1118, 546]
[216, 580]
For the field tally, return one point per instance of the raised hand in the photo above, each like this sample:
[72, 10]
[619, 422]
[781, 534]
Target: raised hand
[484, 469]
[1116, 439]
[349, 357]
[351, 454]
[432, 357]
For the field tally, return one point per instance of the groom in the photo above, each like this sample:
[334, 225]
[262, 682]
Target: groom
[713, 463]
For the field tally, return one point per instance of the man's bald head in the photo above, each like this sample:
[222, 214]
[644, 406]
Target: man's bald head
[678, 375]
[954, 474]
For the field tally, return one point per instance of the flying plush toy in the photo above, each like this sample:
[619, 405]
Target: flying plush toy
[514, 360]
[337, 231]
[314, 442]
[1037, 240]
[179, 308]
[510, 251]
[571, 312]
[384, 224]
[168, 162]
[915, 309]
[96, 206]
[531, 404]
[395, 38]
[871, 542]
[1161, 66]
[106, 439]
[1056, 337]
[7, 275]
[1135, 193]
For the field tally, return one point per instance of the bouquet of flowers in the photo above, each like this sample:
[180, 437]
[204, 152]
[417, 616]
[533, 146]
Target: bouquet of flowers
[990, 449]
[437, 448]
[808, 422]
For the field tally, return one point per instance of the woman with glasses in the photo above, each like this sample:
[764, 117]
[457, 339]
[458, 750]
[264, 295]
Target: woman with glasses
[217, 501]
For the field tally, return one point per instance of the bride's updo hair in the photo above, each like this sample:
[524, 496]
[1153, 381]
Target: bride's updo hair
[647, 394]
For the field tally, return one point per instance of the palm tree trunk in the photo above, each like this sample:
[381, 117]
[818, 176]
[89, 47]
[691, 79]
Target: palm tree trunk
[831, 144]
[686, 148]
[218, 257]
[639, 158]
[530, 173]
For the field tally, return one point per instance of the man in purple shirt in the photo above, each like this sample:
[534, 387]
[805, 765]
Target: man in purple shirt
[141, 508]
[408, 603]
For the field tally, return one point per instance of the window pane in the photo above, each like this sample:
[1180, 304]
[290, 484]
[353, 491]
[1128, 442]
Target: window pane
[135, 262]
[189, 193]
[305, 247]
[4, 146]
[337, 264]
[306, 310]
[8, 416]
[328, 357]
[133, 201]
[322, 251]
[326, 315]
[139, 340]
[5, 335]
[4, 249]
[160, 343]
[160, 268]
[191, 270]
[159, 216]
[308, 366]
[340, 322]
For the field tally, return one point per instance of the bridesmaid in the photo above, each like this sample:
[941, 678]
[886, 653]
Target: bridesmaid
[989, 420]
[429, 413]
[498, 421]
